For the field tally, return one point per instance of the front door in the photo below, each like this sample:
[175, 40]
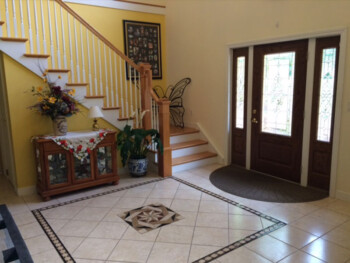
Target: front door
[279, 80]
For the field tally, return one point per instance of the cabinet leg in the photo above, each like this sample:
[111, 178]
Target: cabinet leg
[46, 198]
[115, 182]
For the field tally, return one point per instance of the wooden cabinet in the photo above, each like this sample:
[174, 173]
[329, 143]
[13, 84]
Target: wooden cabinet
[59, 171]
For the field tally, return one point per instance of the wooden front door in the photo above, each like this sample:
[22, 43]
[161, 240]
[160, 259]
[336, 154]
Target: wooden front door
[279, 80]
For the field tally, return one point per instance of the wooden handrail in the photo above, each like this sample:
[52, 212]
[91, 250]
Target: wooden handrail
[96, 33]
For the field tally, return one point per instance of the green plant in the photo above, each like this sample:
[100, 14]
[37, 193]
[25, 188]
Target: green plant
[136, 143]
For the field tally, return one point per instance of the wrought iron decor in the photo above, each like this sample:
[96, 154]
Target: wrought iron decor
[174, 94]
[142, 44]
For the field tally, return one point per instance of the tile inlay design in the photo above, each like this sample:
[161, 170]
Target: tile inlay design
[151, 214]
[150, 217]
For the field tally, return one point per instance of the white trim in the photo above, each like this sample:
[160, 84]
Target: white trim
[340, 87]
[26, 190]
[120, 5]
[342, 195]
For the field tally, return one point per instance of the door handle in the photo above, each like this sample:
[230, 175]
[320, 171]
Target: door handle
[254, 120]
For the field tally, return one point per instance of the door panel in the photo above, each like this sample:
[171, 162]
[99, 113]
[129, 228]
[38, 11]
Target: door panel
[279, 79]
[239, 106]
[322, 118]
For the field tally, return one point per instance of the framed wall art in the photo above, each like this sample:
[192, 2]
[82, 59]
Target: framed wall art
[142, 44]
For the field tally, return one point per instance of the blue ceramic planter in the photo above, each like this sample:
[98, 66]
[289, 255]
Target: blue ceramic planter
[138, 167]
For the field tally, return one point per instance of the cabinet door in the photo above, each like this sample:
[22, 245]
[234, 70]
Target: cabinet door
[82, 169]
[58, 169]
[105, 156]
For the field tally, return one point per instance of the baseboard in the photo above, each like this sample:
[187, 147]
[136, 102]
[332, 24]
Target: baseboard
[342, 195]
[26, 190]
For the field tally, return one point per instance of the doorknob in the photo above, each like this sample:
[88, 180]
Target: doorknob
[254, 120]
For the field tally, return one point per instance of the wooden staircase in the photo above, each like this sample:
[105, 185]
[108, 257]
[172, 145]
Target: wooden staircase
[189, 149]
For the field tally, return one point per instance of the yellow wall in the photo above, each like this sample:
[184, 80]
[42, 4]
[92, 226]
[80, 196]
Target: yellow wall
[26, 123]
[109, 22]
[198, 35]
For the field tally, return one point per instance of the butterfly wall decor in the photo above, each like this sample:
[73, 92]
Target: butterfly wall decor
[174, 94]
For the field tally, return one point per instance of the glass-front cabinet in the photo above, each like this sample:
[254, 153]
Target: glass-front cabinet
[59, 171]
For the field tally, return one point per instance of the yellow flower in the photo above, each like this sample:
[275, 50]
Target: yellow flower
[46, 107]
[44, 74]
[59, 77]
[39, 89]
[71, 92]
[52, 100]
[40, 99]
[45, 80]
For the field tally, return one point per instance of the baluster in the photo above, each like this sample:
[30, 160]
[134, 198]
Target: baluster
[57, 39]
[95, 72]
[139, 80]
[21, 16]
[70, 49]
[53, 63]
[135, 99]
[63, 40]
[8, 28]
[36, 29]
[121, 86]
[43, 26]
[106, 75]
[30, 29]
[116, 80]
[82, 53]
[126, 93]
[89, 62]
[14, 18]
[100, 66]
[130, 90]
[76, 50]
[111, 78]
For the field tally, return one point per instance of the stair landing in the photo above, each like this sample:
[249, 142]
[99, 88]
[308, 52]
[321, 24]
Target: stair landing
[176, 131]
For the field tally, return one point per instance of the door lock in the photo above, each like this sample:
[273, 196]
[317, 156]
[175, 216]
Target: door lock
[254, 120]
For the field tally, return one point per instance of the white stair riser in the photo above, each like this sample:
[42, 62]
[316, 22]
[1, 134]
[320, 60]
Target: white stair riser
[184, 138]
[195, 164]
[80, 92]
[60, 79]
[189, 150]
[92, 102]
[111, 116]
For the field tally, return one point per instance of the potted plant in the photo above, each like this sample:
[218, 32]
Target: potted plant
[134, 144]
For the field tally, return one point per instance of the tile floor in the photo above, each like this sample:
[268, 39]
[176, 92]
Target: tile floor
[315, 231]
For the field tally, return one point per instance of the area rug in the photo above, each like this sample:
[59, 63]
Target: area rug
[187, 199]
[253, 185]
[12, 245]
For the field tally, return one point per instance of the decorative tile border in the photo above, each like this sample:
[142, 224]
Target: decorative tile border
[67, 258]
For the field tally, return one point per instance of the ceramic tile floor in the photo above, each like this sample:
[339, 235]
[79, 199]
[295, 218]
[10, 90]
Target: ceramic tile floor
[315, 231]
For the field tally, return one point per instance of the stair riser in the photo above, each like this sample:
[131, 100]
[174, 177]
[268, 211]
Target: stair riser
[184, 138]
[195, 164]
[189, 150]
[93, 102]
[60, 79]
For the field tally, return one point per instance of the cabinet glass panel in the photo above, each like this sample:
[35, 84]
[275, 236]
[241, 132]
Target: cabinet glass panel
[82, 168]
[58, 168]
[104, 160]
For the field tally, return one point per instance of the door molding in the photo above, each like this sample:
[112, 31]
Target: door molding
[342, 32]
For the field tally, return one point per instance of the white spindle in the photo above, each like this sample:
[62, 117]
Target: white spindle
[63, 40]
[82, 53]
[121, 86]
[116, 81]
[14, 18]
[43, 29]
[89, 60]
[130, 90]
[70, 49]
[51, 40]
[76, 50]
[100, 65]
[106, 75]
[30, 28]
[57, 39]
[95, 72]
[8, 28]
[126, 94]
[139, 80]
[135, 99]
[21, 15]
[111, 78]
[36, 29]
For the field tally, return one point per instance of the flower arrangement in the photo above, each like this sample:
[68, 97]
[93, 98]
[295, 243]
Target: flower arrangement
[54, 101]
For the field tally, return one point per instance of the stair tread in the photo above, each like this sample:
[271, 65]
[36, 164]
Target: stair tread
[77, 84]
[126, 119]
[94, 97]
[1, 23]
[57, 70]
[36, 55]
[182, 145]
[15, 39]
[192, 158]
[110, 108]
[176, 131]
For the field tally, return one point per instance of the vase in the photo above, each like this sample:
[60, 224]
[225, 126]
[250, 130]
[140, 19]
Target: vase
[138, 167]
[59, 125]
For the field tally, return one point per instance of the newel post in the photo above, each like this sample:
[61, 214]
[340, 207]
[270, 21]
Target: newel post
[146, 86]
[164, 161]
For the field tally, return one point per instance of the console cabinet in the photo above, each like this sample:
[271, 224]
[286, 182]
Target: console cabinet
[59, 171]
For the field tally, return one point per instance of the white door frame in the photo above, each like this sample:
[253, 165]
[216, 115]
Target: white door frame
[308, 98]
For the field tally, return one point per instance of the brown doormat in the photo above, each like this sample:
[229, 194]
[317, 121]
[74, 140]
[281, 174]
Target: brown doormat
[253, 185]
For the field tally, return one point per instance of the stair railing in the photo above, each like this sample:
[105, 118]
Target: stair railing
[56, 31]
